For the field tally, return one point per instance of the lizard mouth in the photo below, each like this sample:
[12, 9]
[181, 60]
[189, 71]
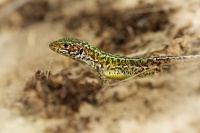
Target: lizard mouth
[54, 47]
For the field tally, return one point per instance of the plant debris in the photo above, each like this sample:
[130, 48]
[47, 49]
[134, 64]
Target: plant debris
[58, 93]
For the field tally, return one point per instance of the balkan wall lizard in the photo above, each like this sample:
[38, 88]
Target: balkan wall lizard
[109, 66]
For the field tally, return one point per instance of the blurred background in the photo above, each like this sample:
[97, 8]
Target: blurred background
[162, 103]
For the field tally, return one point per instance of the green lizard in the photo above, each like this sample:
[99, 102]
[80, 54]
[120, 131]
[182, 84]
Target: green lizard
[109, 66]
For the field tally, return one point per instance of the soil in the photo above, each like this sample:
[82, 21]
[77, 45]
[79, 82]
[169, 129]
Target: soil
[41, 91]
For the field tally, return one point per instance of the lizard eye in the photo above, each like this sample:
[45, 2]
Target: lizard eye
[80, 51]
[65, 45]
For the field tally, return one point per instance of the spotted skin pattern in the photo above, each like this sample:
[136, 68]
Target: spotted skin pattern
[109, 66]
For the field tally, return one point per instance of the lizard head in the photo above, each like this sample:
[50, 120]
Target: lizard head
[73, 48]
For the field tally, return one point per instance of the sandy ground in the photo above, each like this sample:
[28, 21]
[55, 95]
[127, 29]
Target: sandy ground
[168, 102]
